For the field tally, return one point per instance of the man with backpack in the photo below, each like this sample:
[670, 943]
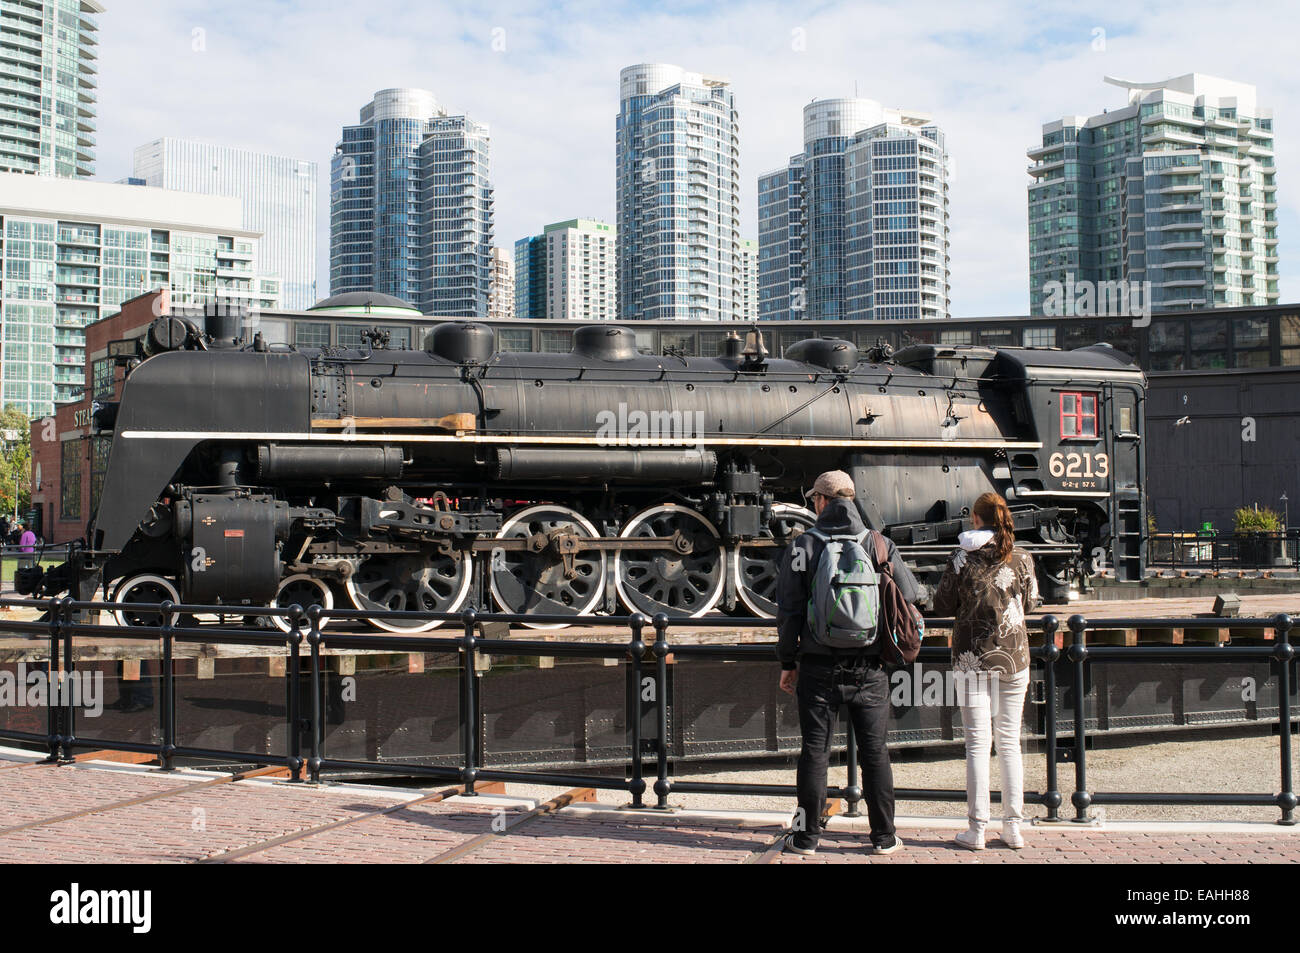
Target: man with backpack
[844, 614]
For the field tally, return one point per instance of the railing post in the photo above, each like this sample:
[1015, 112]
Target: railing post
[53, 718]
[295, 699]
[853, 788]
[662, 785]
[1078, 655]
[469, 729]
[69, 666]
[167, 711]
[1284, 652]
[317, 726]
[636, 653]
[1051, 796]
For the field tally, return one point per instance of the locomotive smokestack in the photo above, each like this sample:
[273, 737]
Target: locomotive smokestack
[224, 325]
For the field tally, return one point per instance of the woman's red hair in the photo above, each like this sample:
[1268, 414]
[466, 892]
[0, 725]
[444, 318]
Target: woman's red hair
[992, 510]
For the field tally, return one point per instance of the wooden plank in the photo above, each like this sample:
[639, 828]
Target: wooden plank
[119, 757]
[1205, 636]
[277, 666]
[457, 421]
[415, 663]
[1112, 637]
[131, 670]
[572, 796]
[1159, 636]
[205, 668]
[1248, 636]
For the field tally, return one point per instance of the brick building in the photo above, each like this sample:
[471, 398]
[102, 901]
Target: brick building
[65, 449]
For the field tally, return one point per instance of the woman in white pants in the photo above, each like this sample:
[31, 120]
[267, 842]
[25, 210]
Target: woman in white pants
[989, 586]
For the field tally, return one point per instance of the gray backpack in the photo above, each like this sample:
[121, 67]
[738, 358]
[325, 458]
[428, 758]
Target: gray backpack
[844, 598]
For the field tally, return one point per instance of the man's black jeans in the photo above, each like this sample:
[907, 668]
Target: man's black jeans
[824, 684]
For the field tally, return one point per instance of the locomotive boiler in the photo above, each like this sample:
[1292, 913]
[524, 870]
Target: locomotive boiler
[593, 481]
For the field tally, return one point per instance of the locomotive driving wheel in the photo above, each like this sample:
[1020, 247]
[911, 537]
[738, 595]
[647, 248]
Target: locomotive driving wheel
[144, 589]
[755, 567]
[683, 578]
[302, 590]
[551, 576]
[431, 582]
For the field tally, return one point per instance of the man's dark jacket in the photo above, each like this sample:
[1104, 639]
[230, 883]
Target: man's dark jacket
[839, 518]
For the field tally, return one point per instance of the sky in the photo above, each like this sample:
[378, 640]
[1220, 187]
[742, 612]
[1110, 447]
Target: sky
[285, 76]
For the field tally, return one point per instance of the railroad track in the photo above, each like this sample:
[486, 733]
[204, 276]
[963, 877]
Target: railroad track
[143, 798]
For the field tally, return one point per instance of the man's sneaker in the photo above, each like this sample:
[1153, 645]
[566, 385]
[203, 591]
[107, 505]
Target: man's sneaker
[1011, 835]
[798, 844]
[886, 845]
[971, 840]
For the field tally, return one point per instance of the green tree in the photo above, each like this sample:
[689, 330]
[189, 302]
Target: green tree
[16, 464]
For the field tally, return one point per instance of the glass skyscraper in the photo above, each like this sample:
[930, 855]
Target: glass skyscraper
[47, 86]
[1177, 188]
[73, 251]
[278, 195]
[678, 196]
[530, 277]
[411, 206]
[856, 226]
[568, 273]
[781, 285]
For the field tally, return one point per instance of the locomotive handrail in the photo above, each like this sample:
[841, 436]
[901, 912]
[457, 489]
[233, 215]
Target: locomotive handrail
[646, 652]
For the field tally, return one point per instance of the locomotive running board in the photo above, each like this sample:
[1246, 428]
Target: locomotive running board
[511, 439]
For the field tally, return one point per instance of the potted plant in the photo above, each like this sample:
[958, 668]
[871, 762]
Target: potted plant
[1259, 536]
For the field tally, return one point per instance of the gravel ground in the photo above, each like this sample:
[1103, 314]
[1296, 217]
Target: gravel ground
[1230, 762]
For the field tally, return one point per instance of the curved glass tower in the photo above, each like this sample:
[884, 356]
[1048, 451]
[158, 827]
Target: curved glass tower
[678, 196]
[411, 206]
[856, 226]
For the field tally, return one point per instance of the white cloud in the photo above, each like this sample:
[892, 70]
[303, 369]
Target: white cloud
[286, 77]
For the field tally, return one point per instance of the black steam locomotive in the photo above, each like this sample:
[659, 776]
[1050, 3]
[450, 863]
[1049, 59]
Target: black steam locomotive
[378, 478]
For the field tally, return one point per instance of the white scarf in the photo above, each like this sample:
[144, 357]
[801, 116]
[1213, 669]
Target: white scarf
[974, 539]
[969, 541]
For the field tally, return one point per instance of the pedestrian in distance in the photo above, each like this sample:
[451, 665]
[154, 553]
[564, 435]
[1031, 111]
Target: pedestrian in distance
[830, 649]
[989, 586]
[26, 546]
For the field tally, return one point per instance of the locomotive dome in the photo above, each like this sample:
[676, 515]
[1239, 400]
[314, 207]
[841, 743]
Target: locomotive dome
[367, 302]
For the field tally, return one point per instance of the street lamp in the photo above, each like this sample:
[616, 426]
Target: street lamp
[1286, 513]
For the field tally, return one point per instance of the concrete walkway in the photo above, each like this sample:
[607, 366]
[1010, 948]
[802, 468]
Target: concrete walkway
[105, 812]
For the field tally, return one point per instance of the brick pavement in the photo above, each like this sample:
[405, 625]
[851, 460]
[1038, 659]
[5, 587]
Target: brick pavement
[187, 821]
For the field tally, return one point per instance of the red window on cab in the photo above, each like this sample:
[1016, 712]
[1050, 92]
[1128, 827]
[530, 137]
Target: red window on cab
[1079, 414]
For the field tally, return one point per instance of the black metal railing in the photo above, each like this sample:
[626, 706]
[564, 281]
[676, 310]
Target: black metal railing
[1214, 552]
[647, 663]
